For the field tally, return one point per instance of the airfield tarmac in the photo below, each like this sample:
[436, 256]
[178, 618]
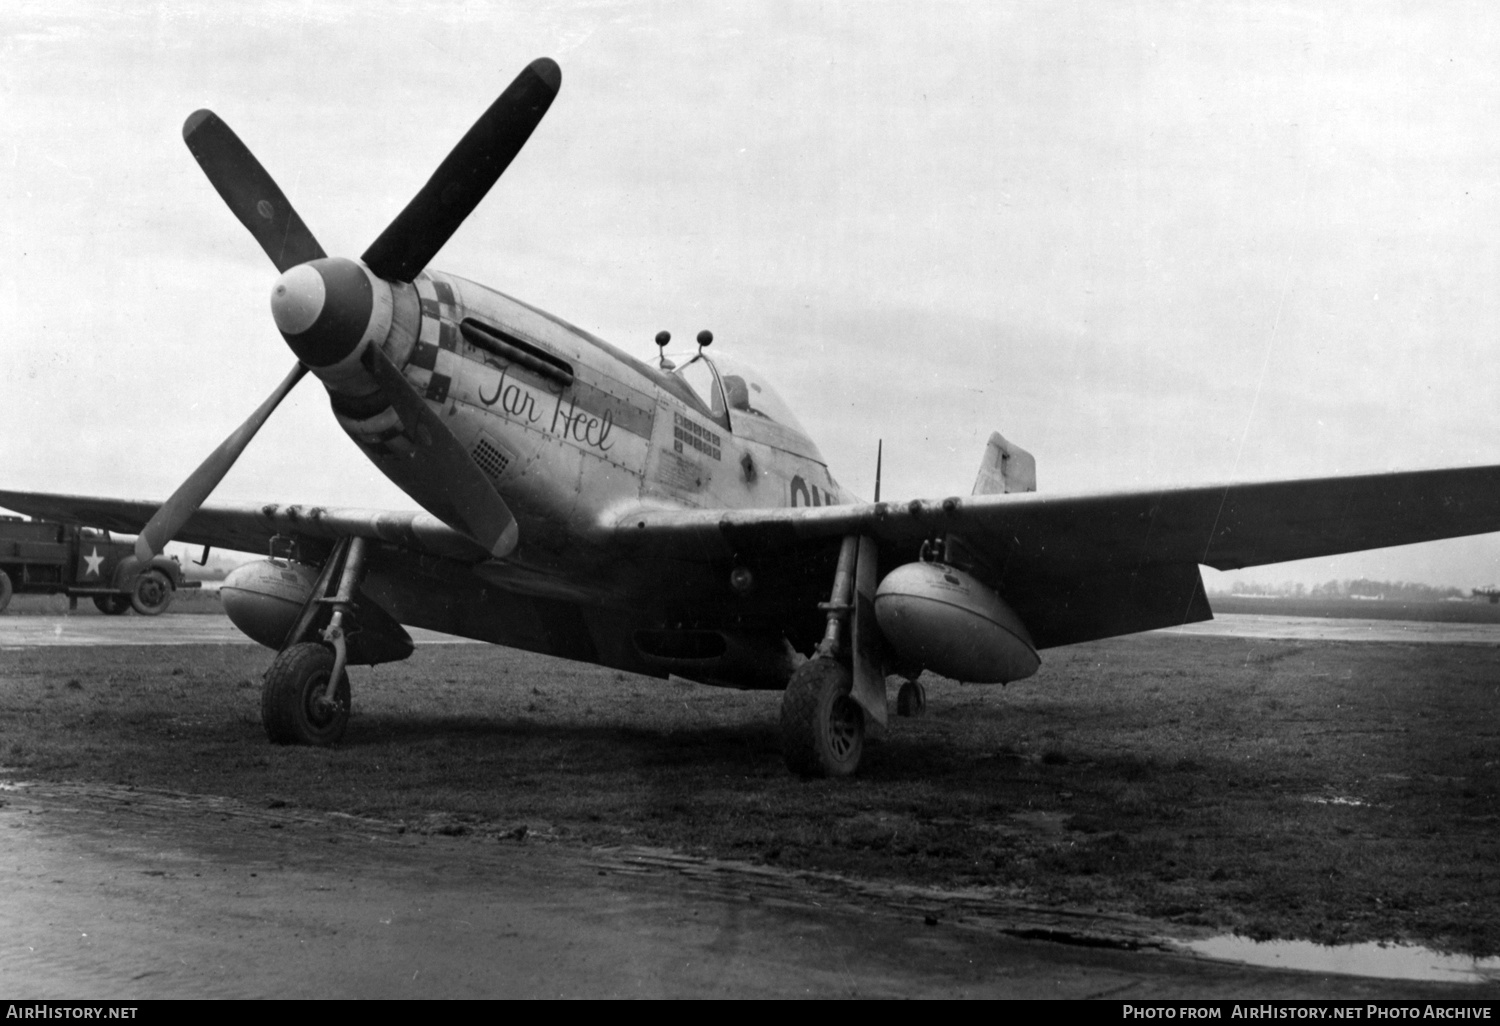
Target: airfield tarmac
[1308, 628]
[20, 632]
[120, 892]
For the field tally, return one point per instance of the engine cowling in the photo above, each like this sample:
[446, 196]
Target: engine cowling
[264, 598]
[940, 618]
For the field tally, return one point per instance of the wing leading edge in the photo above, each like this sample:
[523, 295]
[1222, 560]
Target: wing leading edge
[1074, 567]
[250, 528]
[1078, 567]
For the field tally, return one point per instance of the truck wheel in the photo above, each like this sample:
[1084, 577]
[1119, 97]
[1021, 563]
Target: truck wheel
[822, 728]
[6, 590]
[292, 707]
[151, 594]
[111, 605]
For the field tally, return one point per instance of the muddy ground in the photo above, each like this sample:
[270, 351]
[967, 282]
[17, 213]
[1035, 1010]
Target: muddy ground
[1338, 792]
[128, 893]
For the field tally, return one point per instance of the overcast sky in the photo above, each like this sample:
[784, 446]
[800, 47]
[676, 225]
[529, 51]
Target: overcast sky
[1152, 243]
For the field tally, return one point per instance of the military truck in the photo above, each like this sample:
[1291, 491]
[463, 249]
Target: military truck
[44, 558]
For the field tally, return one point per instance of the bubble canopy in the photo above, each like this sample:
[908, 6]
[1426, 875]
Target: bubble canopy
[755, 410]
[748, 392]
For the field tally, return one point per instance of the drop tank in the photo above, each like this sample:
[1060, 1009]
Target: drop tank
[941, 618]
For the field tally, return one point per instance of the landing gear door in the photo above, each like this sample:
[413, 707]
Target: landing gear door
[869, 669]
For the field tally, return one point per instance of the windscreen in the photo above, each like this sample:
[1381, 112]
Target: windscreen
[699, 376]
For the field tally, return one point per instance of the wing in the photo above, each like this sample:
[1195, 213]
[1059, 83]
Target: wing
[1077, 567]
[250, 528]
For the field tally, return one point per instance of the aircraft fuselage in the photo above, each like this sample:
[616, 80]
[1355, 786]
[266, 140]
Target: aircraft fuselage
[573, 432]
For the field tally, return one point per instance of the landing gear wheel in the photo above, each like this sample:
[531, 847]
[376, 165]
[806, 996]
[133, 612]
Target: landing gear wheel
[151, 594]
[111, 605]
[911, 700]
[822, 728]
[6, 590]
[292, 706]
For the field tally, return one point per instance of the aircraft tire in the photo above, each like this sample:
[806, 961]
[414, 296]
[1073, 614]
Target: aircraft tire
[151, 594]
[911, 700]
[822, 728]
[111, 605]
[290, 708]
[6, 590]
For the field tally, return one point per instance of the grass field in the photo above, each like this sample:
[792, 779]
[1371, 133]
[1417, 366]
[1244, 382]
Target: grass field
[1337, 792]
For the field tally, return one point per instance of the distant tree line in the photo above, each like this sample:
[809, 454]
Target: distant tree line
[1364, 588]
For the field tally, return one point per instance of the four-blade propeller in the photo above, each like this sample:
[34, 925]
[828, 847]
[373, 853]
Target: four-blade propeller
[399, 254]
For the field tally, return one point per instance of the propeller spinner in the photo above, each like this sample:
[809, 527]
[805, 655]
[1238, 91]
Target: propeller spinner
[324, 308]
[329, 308]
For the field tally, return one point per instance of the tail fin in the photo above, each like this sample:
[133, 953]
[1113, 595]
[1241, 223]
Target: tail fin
[1006, 468]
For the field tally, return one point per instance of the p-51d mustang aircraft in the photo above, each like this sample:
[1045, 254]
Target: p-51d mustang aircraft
[671, 518]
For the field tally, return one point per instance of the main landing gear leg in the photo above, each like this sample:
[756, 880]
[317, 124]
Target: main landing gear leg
[822, 727]
[305, 698]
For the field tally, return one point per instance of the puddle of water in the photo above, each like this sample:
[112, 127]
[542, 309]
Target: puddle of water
[1386, 961]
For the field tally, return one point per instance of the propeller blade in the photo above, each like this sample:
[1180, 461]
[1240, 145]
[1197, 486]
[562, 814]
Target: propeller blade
[168, 520]
[465, 175]
[252, 194]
